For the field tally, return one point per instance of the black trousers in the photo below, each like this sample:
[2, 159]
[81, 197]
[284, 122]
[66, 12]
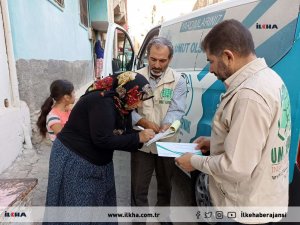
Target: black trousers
[142, 168]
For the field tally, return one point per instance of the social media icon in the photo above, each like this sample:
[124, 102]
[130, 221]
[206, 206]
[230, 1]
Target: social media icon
[231, 214]
[198, 214]
[207, 215]
[219, 215]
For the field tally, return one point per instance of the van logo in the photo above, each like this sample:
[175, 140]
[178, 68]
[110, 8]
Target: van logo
[202, 22]
[266, 26]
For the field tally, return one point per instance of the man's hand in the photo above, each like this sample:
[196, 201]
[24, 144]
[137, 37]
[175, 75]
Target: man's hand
[146, 135]
[203, 144]
[184, 162]
[148, 125]
[164, 127]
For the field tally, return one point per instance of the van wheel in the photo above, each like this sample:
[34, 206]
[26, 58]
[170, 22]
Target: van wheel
[201, 194]
[201, 190]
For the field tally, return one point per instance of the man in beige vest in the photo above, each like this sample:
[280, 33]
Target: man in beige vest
[158, 114]
[250, 137]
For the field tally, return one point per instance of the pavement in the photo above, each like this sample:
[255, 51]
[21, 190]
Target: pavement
[33, 163]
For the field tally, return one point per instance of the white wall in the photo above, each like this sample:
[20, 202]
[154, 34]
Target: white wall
[11, 136]
[13, 120]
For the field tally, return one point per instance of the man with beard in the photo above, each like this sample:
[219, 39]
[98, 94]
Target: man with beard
[250, 126]
[168, 105]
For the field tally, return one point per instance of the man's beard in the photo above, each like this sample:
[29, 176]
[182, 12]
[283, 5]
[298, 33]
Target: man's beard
[156, 74]
[224, 73]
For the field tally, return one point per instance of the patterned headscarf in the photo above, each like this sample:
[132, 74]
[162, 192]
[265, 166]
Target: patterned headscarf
[127, 89]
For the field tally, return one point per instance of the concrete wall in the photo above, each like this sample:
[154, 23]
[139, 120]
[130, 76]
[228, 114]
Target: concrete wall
[11, 136]
[35, 77]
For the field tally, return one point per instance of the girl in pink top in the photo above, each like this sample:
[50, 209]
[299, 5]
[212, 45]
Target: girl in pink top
[56, 109]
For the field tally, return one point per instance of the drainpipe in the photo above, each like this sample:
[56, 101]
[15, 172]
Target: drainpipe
[90, 34]
[10, 54]
[12, 67]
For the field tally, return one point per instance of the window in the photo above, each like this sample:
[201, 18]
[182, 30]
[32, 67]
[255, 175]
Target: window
[84, 12]
[61, 3]
[142, 59]
[123, 53]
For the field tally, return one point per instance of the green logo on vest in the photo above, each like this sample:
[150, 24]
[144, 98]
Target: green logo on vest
[279, 153]
[284, 123]
[166, 96]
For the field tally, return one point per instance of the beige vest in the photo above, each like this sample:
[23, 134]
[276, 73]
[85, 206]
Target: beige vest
[249, 160]
[266, 146]
[156, 108]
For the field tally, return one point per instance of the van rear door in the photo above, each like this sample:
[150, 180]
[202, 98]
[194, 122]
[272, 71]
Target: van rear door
[118, 48]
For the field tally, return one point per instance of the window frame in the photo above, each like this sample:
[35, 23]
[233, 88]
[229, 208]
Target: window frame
[85, 26]
[62, 5]
[58, 4]
[121, 58]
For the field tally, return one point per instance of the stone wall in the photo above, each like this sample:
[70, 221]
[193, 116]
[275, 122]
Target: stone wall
[35, 77]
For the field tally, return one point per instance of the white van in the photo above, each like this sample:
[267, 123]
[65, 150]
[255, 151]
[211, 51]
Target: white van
[275, 26]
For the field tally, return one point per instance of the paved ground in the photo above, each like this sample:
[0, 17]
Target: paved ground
[33, 163]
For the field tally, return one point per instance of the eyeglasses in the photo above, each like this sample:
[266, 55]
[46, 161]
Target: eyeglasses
[147, 93]
[144, 96]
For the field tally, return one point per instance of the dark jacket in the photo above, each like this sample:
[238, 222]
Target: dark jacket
[96, 128]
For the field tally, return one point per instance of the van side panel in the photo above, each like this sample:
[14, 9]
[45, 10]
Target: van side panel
[273, 25]
[289, 69]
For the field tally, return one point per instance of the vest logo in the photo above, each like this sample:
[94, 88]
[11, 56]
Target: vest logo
[166, 96]
[14, 214]
[266, 26]
[277, 154]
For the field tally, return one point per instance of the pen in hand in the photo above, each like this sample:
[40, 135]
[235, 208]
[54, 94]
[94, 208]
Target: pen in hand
[140, 128]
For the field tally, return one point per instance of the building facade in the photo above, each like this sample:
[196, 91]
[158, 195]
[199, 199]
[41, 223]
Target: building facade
[41, 41]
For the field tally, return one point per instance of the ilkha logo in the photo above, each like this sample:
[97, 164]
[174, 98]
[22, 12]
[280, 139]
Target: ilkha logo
[14, 214]
[266, 26]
